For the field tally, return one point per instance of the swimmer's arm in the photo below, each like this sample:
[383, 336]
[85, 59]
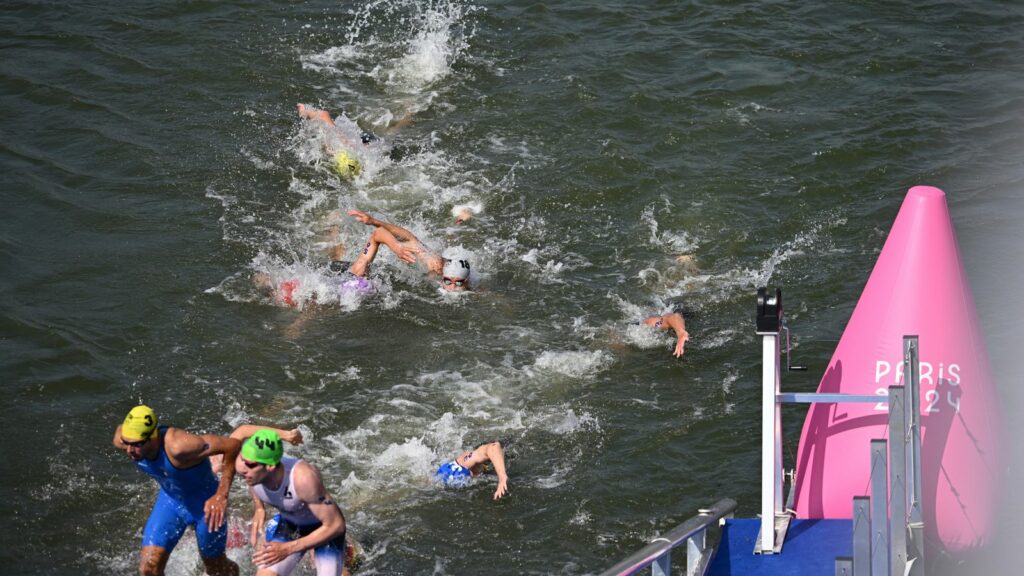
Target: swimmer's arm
[293, 436]
[497, 457]
[397, 231]
[309, 488]
[677, 323]
[259, 517]
[405, 252]
[185, 450]
[674, 321]
[311, 113]
[361, 267]
[492, 453]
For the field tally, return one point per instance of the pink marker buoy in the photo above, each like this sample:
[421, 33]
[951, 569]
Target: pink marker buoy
[918, 286]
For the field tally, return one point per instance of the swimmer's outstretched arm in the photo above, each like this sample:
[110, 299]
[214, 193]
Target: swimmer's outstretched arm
[397, 231]
[293, 436]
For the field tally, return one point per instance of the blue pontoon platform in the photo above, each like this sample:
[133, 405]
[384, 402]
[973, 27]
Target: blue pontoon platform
[812, 547]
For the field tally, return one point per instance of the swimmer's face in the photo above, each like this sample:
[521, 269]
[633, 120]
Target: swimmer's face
[455, 284]
[253, 472]
[137, 450]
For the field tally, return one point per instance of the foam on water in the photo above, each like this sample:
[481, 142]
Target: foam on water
[575, 364]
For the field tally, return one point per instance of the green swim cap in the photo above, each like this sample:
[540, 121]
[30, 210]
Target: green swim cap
[265, 447]
[346, 165]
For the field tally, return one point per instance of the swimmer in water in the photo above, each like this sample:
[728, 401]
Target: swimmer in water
[342, 147]
[337, 275]
[472, 463]
[675, 321]
[455, 274]
[190, 494]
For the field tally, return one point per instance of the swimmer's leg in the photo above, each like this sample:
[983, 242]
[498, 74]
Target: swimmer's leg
[153, 561]
[161, 534]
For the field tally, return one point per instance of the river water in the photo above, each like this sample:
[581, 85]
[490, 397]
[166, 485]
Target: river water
[153, 164]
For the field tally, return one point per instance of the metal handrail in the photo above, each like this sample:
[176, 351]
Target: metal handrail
[688, 529]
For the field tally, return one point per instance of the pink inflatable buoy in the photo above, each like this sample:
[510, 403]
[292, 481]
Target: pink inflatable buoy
[918, 286]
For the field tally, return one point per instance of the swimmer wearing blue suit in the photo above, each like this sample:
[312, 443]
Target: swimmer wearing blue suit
[190, 493]
[469, 464]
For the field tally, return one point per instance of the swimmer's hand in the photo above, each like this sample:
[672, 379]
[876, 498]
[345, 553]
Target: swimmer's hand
[214, 510]
[405, 253]
[502, 489]
[292, 436]
[273, 552]
[362, 217]
[678, 353]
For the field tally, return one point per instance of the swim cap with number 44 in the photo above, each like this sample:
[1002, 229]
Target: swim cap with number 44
[265, 447]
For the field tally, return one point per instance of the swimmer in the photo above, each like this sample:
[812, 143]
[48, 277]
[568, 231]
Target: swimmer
[308, 517]
[337, 275]
[675, 321]
[454, 274]
[190, 494]
[344, 153]
[470, 464]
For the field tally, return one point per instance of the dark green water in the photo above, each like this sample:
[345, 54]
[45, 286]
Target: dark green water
[152, 161]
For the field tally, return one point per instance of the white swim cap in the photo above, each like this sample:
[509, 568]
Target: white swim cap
[456, 269]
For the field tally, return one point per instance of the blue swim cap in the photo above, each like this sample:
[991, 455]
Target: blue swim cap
[451, 474]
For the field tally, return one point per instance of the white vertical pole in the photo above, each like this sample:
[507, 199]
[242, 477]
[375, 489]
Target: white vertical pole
[771, 449]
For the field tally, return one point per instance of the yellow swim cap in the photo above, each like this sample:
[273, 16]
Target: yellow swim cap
[346, 165]
[139, 424]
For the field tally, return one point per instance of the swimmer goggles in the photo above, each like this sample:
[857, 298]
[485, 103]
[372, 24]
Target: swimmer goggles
[458, 283]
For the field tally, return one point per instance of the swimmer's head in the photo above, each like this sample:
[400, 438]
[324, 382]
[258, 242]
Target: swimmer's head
[346, 165]
[139, 424]
[451, 474]
[455, 275]
[264, 447]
